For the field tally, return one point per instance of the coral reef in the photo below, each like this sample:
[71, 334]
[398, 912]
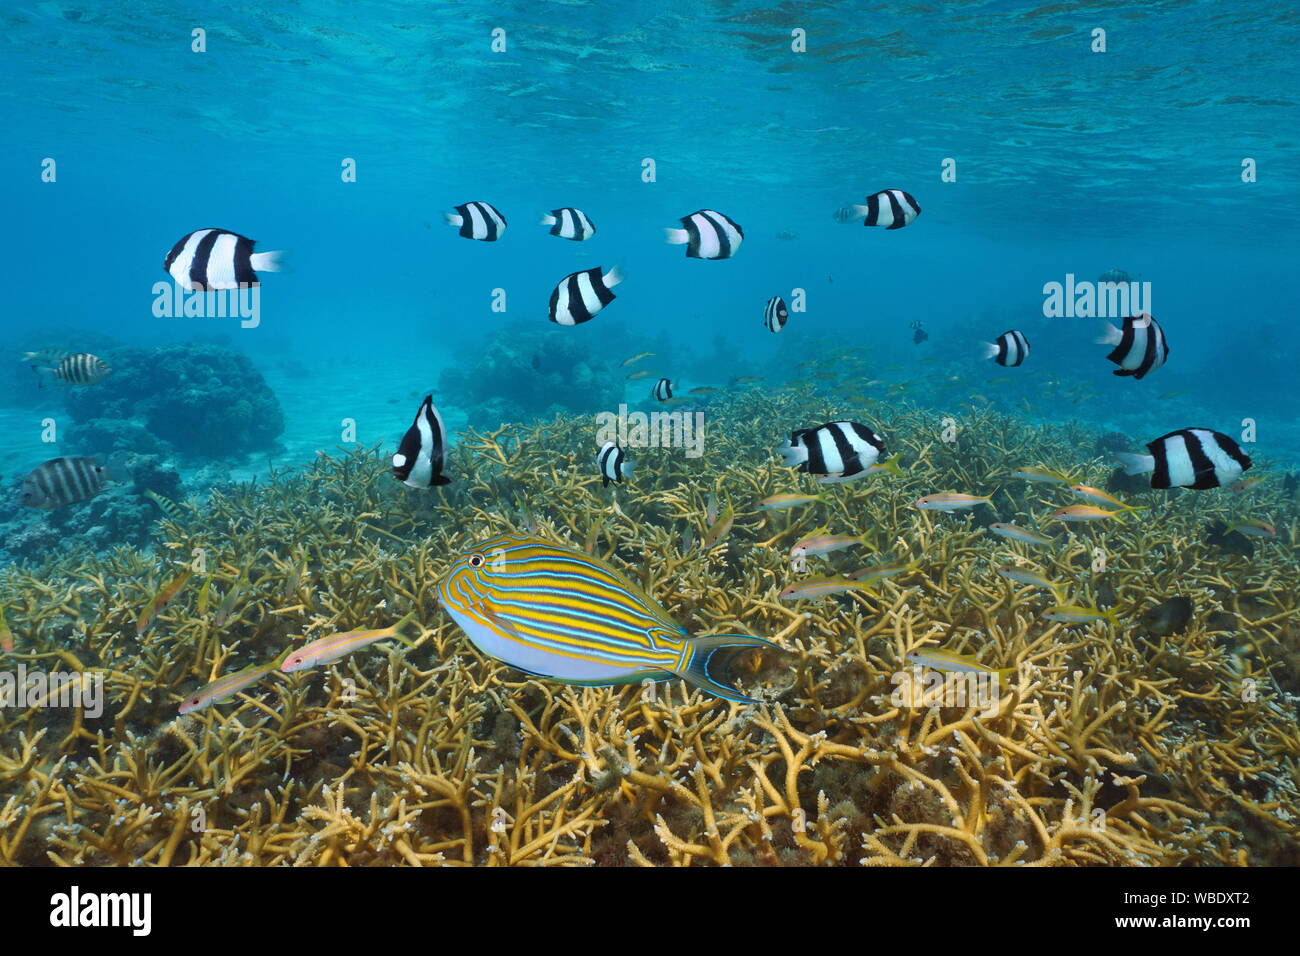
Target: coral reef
[198, 400]
[1108, 746]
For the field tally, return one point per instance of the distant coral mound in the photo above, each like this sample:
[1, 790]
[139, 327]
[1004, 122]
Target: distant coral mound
[201, 400]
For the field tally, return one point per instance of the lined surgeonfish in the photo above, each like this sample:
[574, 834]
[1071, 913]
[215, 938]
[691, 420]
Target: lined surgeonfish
[569, 223]
[1140, 346]
[80, 369]
[213, 259]
[613, 464]
[421, 455]
[477, 220]
[837, 451]
[63, 481]
[1189, 458]
[551, 611]
[707, 234]
[891, 208]
[1010, 349]
[580, 295]
[775, 315]
[663, 390]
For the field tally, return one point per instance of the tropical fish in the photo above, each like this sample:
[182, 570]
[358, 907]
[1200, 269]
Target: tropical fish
[879, 572]
[1096, 494]
[820, 542]
[746, 380]
[1088, 513]
[636, 358]
[64, 481]
[836, 451]
[477, 220]
[719, 529]
[422, 453]
[214, 259]
[203, 596]
[707, 234]
[1016, 533]
[325, 650]
[782, 501]
[1189, 458]
[555, 612]
[663, 390]
[950, 662]
[168, 507]
[613, 464]
[919, 334]
[1074, 614]
[580, 295]
[891, 465]
[1168, 617]
[705, 390]
[80, 369]
[1254, 529]
[1035, 473]
[166, 594]
[1026, 576]
[642, 373]
[228, 685]
[820, 587]
[951, 501]
[6, 635]
[227, 605]
[711, 507]
[45, 357]
[1246, 484]
[776, 314]
[569, 223]
[1140, 346]
[1010, 349]
[891, 208]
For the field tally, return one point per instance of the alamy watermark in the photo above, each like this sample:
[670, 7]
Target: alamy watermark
[1101, 300]
[683, 429]
[24, 688]
[244, 303]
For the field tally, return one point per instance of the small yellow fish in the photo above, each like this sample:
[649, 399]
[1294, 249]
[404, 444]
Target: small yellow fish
[705, 390]
[1074, 614]
[6, 635]
[950, 501]
[1088, 513]
[1035, 473]
[719, 529]
[819, 542]
[879, 572]
[820, 587]
[636, 358]
[950, 662]
[1017, 533]
[1246, 484]
[782, 501]
[164, 597]
[1254, 529]
[746, 380]
[641, 374]
[1096, 494]
[203, 596]
[1032, 578]
[228, 685]
[324, 650]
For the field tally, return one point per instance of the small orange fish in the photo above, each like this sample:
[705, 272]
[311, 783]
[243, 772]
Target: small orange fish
[950, 501]
[1087, 513]
[164, 597]
[6, 635]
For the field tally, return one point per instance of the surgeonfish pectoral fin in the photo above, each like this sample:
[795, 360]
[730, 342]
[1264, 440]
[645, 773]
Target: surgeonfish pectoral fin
[709, 666]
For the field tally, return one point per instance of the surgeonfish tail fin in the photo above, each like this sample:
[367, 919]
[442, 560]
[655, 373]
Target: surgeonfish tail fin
[1005, 672]
[676, 237]
[1136, 464]
[988, 349]
[1108, 335]
[892, 465]
[272, 261]
[709, 666]
[452, 218]
[547, 220]
[793, 454]
[115, 465]
[615, 275]
[407, 630]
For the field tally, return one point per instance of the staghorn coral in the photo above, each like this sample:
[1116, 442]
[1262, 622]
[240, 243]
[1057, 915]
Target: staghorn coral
[1109, 746]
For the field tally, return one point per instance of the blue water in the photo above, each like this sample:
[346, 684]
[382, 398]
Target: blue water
[1068, 161]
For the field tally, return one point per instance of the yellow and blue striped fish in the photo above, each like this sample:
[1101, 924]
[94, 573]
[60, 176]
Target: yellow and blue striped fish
[554, 612]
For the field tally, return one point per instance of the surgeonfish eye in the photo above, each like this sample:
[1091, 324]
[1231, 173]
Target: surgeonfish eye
[476, 560]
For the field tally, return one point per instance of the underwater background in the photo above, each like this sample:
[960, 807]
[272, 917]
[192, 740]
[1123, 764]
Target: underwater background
[341, 133]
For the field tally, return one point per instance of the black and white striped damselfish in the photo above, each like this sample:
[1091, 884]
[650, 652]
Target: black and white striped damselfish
[215, 259]
[613, 464]
[663, 390]
[477, 220]
[1196, 457]
[775, 315]
[891, 208]
[80, 369]
[580, 295]
[836, 451]
[707, 234]
[64, 481]
[554, 612]
[1140, 346]
[1010, 349]
[422, 453]
[569, 223]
